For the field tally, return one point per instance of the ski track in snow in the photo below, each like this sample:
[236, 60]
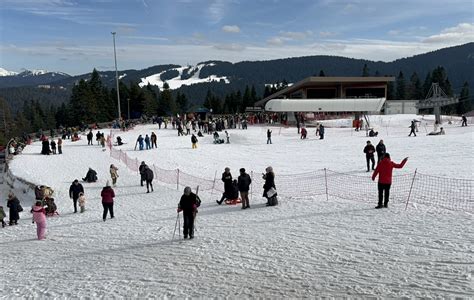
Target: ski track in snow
[302, 248]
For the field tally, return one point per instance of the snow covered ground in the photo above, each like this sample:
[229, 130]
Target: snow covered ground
[306, 247]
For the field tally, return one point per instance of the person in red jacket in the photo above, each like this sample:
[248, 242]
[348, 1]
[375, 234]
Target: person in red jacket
[108, 200]
[384, 170]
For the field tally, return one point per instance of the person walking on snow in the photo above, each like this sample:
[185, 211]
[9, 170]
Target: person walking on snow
[188, 204]
[243, 183]
[321, 132]
[269, 136]
[60, 146]
[90, 135]
[412, 128]
[464, 121]
[384, 171]
[194, 141]
[74, 190]
[39, 217]
[147, 142]
[269, 185]
[107, 195]
[369, 151]
[148, 179]
[227, 179]
[153, 140]
[82, 202]
[114, 174]
[14, 209]
[141, 170]
[380, 149]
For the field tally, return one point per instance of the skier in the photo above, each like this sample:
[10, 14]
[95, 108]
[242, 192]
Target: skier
[244, 182]
[90, 135]
[380, 149]
[107, 195]
[227, 179]
[269, 189]
[384, 170]
[113, 174]
[412, 128]
[39, 217]
[188, 204]
[464, 121]
[147, 142]
[139, 142]
[269, 136]
[369, 151]
[149, 179]
[194, 141]
[74, 191]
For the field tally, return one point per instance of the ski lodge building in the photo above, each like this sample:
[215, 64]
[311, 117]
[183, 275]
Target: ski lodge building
[323, 95]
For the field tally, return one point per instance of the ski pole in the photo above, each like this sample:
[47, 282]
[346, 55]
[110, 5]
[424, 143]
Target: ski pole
[175, 223]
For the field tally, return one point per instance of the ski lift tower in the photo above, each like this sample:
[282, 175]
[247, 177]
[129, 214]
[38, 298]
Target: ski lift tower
[436, 99]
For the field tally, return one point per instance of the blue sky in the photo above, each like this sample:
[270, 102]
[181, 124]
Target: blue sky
[74, 36]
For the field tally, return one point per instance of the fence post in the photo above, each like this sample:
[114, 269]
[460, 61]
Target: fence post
[251, 186]
[177, 180]
[326, 180]
[411, 186]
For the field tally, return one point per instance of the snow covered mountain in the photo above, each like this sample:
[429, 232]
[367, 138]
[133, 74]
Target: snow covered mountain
[29, 77]
[4, 72]
[177, 77]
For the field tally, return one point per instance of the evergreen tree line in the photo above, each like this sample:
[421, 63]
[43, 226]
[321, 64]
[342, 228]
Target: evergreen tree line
[92, 102]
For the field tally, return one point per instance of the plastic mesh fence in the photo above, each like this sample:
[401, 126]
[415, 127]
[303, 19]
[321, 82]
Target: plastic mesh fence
[434, 191]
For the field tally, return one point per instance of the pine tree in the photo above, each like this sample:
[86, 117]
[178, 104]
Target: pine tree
[415, 91]
[401, 87]
[167, 103]
[182, 102]
[321, 73]
[365, 71]
[246, 100]
[390, 91]
[465, 103]
[427, 85]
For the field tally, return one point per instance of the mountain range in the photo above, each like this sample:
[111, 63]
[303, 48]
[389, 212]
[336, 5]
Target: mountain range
[223, 77]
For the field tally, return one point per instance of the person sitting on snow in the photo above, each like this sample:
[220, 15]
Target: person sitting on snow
[91, 176]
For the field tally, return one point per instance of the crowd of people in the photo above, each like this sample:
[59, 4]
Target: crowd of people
[235, 190]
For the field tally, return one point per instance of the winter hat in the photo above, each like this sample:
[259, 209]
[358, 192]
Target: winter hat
[368, 142]
[227, 169]
[269, 169]
[107, 183]
[187, 190]
[242, 170]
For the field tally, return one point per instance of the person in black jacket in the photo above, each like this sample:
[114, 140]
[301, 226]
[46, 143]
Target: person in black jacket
[91, 176]
[194, 141]
[141, 169]
[149, 179]
[14, 213]
[74, 190]
[269, 178]
[369, 151]
[227, 179]
[90, 135]
[188, 205]
[244, 182]
[45, 147]
[381, 150]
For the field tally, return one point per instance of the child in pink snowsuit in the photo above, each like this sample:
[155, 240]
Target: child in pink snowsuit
[39, 217]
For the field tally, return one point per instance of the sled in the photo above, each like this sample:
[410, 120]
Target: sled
[233, 201]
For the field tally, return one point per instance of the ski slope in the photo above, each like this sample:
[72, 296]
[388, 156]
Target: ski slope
[302, 248]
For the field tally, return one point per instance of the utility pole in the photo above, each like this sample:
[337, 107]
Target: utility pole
[116, 78]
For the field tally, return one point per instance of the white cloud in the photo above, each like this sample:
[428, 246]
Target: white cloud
[294, 35]
[276, 41]
[394, 32]
[462, 33]
[230, 47]
[325, 34]
[231, 28]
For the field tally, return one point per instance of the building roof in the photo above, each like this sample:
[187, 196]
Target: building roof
[315, 81]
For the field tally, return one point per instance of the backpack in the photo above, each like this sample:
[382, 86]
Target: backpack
[198, 201]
